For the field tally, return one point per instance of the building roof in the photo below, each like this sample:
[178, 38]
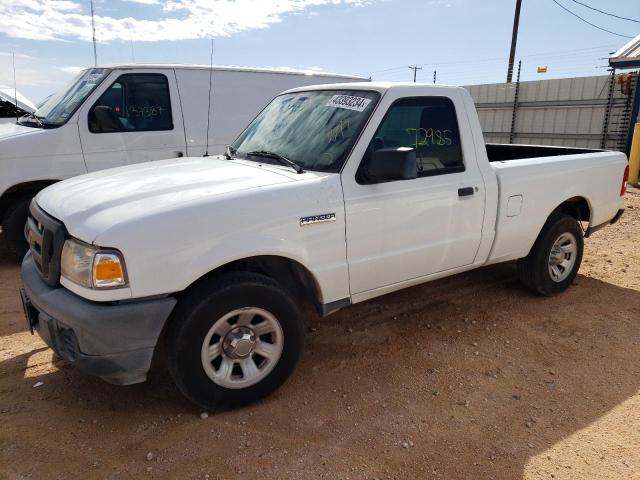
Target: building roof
[628, 56]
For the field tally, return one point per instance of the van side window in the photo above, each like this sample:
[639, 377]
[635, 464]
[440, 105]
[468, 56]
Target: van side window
[427, 124]
[135, 102]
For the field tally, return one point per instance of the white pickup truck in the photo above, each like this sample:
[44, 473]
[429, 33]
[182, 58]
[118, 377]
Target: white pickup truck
[333, 195]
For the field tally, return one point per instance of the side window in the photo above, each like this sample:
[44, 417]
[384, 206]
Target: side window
[135, 102]
[427, 124]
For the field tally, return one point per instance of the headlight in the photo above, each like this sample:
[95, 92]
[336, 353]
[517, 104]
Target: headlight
[92, 267]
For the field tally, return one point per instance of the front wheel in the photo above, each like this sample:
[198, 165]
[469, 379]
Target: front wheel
[13, 224]
[233, 340]
[554, 259]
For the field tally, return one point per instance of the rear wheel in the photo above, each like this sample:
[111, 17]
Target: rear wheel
[554, 259]
[13, 227]
[233, 340]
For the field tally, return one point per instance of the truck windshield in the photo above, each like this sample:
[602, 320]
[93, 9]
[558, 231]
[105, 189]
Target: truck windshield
[314, 129]
[57, 109]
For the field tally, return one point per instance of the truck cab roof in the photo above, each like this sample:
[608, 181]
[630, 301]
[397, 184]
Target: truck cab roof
[406, 88]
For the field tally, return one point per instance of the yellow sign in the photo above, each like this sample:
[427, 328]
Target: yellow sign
[542, 69]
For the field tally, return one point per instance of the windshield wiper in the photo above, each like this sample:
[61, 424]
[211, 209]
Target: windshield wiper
[32, 116]
[277, 156]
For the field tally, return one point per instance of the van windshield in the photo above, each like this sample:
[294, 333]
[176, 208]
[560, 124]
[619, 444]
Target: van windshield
[57, 109]
[314, 129]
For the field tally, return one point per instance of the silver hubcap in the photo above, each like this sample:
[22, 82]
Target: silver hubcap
[242, 347]
[562, 257]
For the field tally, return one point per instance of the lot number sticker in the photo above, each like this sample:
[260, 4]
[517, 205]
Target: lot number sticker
[349, 102]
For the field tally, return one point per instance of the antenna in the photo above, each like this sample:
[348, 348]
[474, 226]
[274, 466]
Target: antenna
[93, 27]
[133, 57]
[15, 85]
[206, 151]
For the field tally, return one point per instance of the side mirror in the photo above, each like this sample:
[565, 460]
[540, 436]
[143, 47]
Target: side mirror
[388, 164]
[105, 119]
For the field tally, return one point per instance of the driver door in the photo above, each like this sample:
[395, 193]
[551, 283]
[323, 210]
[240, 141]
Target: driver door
[402, 230]
[134, 118]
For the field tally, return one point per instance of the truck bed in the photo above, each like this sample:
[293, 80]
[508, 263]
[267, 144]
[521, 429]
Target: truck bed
[501, 152]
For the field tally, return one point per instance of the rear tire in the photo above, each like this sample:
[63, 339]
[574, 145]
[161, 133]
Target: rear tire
[554, 259]
[13, 224]
[233, 340]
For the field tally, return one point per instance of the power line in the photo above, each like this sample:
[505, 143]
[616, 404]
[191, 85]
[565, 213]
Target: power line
[606, 13]
[588, 22]
[554, 54]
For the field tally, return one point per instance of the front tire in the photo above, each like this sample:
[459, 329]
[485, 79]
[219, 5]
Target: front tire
[13, 224]
[233, 340]
[554, 259]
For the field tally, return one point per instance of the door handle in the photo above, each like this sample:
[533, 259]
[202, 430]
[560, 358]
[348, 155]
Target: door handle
[465, 192]
[179, 154]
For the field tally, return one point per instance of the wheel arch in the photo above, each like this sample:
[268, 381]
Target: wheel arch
[294, 277]
[577, 207]
[21, 190]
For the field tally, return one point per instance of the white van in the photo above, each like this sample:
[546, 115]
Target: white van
[127, 114]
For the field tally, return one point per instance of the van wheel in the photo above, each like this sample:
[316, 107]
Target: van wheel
[233, 340]
[554, 259]
[13, 224]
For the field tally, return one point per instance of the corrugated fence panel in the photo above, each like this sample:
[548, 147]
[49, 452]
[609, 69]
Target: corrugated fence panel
[566, 112]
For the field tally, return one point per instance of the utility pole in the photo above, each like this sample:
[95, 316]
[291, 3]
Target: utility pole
[415, 69]
[434, 76]
[514, 40]
[93, 27]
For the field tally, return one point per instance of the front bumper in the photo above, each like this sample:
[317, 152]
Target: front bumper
[114, 341]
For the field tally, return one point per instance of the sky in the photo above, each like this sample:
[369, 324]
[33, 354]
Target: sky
[465, 41]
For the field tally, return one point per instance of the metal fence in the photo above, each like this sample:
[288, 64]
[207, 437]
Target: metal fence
[587, 112]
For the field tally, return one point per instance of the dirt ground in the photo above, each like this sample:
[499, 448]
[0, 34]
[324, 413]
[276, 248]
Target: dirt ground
[467, 377]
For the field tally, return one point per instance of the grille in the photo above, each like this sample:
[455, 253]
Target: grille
[45, 236]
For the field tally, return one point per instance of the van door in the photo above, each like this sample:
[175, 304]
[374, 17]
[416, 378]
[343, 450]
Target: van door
[134, 117]
[402, 230]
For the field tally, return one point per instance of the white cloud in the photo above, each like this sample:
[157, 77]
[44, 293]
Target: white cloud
[181, 19]
[35, 78]
[71, 69]
[144, 2]
[17, 55]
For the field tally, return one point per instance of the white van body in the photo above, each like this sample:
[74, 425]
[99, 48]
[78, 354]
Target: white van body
[35, 154]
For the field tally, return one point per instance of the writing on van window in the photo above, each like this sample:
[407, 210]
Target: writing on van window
[144, 112]
[350, 102]
[134, 102]
[426, 137]
[93, 77]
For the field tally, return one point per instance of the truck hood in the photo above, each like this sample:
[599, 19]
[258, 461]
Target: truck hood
[90, 204]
